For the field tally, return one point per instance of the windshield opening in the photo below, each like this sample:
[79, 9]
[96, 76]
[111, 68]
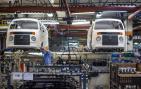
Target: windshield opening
[24, 24]
[106, 25]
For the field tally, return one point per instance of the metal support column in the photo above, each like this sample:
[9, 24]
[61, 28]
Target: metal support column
[84, 79]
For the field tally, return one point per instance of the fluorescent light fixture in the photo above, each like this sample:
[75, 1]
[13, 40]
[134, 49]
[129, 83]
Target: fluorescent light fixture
[113, 11]
[128, 5]
[49, 21]
[88, 13]
[123, 5]
[79, 22]
[31, 13]
[50, 14]
[136, 43]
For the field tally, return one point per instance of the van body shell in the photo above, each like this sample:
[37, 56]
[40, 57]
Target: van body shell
[106, 36]
[32, 34]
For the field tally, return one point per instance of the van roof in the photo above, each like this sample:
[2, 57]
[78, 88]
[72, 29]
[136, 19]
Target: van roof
[105, 19]
[32, 19]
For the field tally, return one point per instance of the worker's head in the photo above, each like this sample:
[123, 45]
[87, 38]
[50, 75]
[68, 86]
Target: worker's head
[46, 48]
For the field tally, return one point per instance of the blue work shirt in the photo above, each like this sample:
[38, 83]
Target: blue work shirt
[47, 56]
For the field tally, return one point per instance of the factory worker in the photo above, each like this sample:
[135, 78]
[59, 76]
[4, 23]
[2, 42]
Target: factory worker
[47, 56]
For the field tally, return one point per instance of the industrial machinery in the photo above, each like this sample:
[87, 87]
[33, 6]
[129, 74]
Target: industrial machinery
[50, 77]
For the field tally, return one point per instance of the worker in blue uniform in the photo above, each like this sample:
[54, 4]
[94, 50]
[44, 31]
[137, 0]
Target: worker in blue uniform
[47, 56]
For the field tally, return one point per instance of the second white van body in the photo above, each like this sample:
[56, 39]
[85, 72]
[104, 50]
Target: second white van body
[106, 35]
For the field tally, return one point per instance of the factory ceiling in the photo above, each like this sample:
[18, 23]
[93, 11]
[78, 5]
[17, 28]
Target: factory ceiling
[73, 6]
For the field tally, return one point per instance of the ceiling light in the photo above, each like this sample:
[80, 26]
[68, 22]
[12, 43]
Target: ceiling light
[77, 22]
[50, 14]
[88, 13]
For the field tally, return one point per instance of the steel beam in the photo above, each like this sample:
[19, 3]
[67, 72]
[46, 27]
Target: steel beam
[101, 8]
[73, 9]
[29, 9]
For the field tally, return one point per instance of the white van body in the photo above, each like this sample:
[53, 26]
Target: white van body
[26, 33]
[106, 35]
